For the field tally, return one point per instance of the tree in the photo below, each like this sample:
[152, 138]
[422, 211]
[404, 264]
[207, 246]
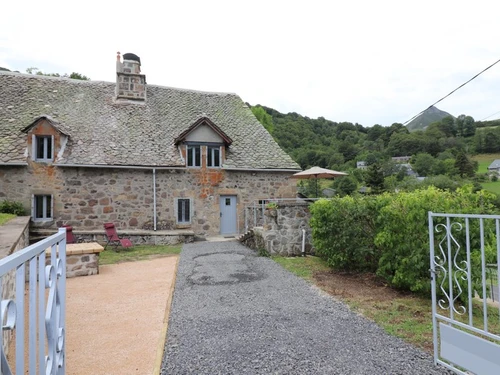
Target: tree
[74, 75]
[264, 118]
[423, 164]
[375, 178]
[464, 166]
[345, 185]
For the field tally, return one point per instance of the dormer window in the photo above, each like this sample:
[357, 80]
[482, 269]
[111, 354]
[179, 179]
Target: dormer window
[194, 156]
[204, 144]
[213, 156]
[43, 148]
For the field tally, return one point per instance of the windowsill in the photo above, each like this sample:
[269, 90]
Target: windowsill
[42, 220]
[46, 161]
[183, 225]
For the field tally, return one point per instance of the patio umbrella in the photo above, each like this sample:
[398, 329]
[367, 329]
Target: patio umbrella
[317, 172]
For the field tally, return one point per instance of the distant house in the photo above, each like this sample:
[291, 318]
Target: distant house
[361, 165]
[494, 166]
[84, 153]
[401, 159]
[409, 170]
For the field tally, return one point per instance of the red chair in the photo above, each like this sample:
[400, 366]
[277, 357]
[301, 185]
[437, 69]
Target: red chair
[113, 239]
[70, 237]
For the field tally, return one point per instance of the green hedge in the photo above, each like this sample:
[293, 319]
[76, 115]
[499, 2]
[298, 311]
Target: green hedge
[389, 234]
[11, 207]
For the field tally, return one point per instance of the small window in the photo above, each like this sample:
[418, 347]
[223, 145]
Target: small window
[213, 156]
[42, 207]
[228, 201]
[194, 156]
[43, 148]
[183, 211]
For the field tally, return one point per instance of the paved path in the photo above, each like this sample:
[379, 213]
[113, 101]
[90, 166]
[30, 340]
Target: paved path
[236, 313]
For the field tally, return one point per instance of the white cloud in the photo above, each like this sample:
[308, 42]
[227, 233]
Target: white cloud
[359, 61]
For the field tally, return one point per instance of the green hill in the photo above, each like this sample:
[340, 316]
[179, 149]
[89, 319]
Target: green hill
[429, 116]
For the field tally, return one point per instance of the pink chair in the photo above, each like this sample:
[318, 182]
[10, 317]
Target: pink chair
[113, 239]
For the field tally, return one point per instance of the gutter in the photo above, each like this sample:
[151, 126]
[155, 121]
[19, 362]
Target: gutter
[115, 166]
[262, 170]
[167, 168]
[14, 164]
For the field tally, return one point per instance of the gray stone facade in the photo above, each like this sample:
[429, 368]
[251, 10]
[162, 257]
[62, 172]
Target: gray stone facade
[88, 197]
[282, 231]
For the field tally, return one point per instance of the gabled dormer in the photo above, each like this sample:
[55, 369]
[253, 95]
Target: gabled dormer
[46, 139]
[203, 144]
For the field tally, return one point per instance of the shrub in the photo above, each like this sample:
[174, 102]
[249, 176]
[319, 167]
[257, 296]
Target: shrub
[389, 234]
[343, 232]
[403, 236]
[11, 207]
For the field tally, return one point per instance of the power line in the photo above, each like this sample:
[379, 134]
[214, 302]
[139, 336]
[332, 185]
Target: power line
[444, 97]
[489, 116]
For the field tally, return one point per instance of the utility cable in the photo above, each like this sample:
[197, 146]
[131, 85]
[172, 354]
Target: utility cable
[444, 97]
[489, 116]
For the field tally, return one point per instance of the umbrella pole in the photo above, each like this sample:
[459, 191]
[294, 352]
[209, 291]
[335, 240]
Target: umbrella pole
[316, 186]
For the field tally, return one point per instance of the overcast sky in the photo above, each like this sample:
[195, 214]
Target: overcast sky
[371, 62]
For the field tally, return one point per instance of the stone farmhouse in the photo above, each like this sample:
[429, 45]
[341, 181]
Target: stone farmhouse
[83, 153]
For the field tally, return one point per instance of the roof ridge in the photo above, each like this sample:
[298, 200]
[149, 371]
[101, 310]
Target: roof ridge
[81, 81]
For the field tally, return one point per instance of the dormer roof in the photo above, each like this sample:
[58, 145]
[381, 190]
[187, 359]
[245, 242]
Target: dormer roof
[204, 121]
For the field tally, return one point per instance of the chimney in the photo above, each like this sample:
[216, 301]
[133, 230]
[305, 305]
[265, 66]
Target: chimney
[130, 83]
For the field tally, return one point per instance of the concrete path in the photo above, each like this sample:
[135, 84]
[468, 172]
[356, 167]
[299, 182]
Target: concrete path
[116, 320]
[236, 313]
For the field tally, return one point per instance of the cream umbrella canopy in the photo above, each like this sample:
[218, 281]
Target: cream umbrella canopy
[317, 172]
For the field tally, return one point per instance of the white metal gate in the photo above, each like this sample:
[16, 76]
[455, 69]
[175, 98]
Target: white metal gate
[465, 279]
[43, 279]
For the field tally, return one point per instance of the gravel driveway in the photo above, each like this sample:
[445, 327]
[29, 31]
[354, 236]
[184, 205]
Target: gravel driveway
[236, 313]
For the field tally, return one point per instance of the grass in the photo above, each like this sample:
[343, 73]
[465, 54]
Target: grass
[484, 161]
[304, 267]
[5, 217]
[139, 252]
[494, 187]
[403, 315]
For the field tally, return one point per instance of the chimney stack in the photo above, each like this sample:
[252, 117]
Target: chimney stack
[130, 83]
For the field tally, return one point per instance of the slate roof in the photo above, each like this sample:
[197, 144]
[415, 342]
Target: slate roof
[103, 131]
[495, 164]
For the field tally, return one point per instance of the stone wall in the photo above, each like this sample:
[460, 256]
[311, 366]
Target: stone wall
[88, 197]
[14, 236]
[282, 231]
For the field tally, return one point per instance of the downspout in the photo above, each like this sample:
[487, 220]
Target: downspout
[154, 199]
[303, 242]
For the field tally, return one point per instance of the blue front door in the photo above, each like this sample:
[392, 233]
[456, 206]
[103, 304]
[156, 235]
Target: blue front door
[228, 218]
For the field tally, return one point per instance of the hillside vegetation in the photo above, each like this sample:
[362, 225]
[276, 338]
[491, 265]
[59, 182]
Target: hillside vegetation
[442, 152]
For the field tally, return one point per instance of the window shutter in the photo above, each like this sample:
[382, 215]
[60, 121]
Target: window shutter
[32, 206]
[33, 147]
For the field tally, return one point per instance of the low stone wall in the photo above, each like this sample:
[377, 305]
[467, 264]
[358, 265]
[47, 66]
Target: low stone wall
[138, 237]
[282, 231]
[14, 236]
[82, 259]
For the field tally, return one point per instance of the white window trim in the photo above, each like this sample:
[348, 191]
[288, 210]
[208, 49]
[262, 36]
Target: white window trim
[33, 207]
[194, 153]
[34, 141]
[176, 211]
[211, 149]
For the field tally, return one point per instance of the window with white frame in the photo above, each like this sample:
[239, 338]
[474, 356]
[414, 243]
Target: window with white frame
[42, 207]
[194, 156]
[183, 210]
[213, 156]
[43, 147]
